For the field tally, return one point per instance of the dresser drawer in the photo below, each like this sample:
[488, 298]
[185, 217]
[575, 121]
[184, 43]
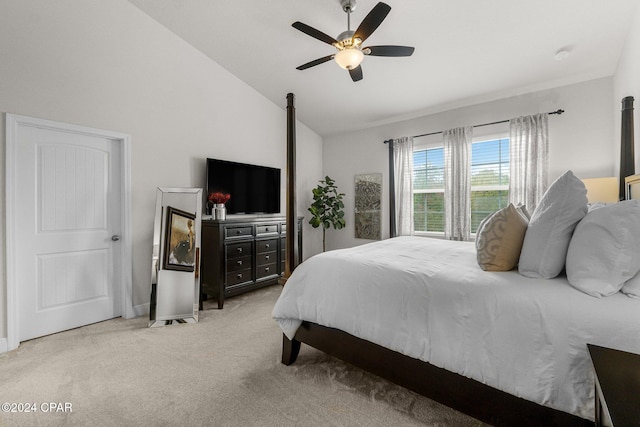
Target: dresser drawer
[266, 229]
[268, 245]
[266, 258]
[237, 250]
[241, 231]
[242, 254]
[266, 270]
[241, 263]
[241, 276]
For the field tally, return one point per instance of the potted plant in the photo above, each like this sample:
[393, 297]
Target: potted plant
[327, 207]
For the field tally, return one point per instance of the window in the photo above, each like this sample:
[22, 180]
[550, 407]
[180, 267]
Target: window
[489, 178]
[489, 183]
[428, 190]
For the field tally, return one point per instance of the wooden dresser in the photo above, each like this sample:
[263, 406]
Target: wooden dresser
[243, 254]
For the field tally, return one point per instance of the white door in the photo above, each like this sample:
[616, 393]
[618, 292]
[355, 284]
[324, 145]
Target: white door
[67, 226]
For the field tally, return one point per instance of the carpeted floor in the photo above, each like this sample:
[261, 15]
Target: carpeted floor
[223, 371]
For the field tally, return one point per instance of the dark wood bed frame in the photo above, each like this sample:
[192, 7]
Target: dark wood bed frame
[456, 391]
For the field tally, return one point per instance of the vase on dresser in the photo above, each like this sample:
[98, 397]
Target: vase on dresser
[219, 211]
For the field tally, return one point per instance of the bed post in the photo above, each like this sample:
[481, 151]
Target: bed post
[627, 157]
[291, 252]
[392, 191]
[290, 350]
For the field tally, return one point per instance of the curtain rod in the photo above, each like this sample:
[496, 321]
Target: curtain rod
[559, 111]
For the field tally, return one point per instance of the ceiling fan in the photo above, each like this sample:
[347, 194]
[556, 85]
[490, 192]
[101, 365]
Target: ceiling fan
[349, 43]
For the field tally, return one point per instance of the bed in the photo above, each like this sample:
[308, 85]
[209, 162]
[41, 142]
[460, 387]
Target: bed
[500, 346]
[428, 300]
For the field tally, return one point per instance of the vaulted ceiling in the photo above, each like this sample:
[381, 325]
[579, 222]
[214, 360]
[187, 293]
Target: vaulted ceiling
[467, 51]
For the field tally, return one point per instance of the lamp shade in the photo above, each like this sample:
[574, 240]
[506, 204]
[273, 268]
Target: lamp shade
[349, 58]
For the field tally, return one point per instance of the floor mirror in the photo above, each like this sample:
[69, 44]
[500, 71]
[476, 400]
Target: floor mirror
[175, 264]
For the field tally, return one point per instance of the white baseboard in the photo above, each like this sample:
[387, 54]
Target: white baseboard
[141, 310]
[138, 310]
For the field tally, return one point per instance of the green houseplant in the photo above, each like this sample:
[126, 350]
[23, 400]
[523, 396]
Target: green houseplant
[327, 207]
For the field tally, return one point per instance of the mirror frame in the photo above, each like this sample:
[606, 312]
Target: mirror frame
[167, 278]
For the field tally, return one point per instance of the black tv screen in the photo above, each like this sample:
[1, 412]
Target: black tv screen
[253, 189]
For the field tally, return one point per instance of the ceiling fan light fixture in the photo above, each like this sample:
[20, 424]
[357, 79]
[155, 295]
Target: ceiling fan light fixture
[348, 44]
[349, 58]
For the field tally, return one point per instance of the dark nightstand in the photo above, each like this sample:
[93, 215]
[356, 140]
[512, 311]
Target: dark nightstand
[617, 375]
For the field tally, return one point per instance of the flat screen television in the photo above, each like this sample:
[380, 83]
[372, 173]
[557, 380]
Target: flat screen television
[254, 189]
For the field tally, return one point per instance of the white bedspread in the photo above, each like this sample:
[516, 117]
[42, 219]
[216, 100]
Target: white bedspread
[428, 299]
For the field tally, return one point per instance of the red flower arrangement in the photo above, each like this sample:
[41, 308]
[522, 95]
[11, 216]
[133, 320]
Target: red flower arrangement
[219, 198]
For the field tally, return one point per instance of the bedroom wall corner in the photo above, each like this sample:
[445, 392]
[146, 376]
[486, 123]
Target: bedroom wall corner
[348, 155]
[626, 82]
[309, 166]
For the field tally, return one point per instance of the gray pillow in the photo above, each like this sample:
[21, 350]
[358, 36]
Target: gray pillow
[546, 241]
[604, 252]
[632, 287]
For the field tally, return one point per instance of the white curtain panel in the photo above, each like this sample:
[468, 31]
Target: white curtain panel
[403, 177]
[529, 159]
[457, 183]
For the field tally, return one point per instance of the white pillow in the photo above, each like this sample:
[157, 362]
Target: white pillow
[523, 210]
[632, 287]
[552, 223]
[605, 249]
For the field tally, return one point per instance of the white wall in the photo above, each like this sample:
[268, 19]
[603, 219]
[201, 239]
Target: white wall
[580, 140]
[626, 82]
[107, 65]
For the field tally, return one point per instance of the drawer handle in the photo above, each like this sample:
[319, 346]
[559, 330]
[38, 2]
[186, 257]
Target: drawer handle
[266, 269]
[239, 262]
[266, 229]
[238, 231]
[266, 257]
[239, 276]
[267, 246]
[239, 250]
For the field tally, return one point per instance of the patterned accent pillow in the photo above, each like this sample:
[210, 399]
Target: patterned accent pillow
[499, 239]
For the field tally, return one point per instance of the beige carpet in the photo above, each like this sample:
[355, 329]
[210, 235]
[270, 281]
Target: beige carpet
[223, 371]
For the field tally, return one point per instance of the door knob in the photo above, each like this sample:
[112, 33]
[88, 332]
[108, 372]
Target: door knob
[115, 237]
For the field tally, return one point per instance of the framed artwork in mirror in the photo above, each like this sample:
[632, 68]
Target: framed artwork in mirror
[180, 241]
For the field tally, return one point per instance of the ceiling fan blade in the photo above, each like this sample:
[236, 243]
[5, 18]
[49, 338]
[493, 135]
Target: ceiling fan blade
[315, 62]
[356, 73]
[316, 34]
[372, 21]
[389, 50]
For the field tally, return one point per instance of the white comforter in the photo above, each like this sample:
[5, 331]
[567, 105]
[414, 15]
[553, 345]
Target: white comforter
[428, 299]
